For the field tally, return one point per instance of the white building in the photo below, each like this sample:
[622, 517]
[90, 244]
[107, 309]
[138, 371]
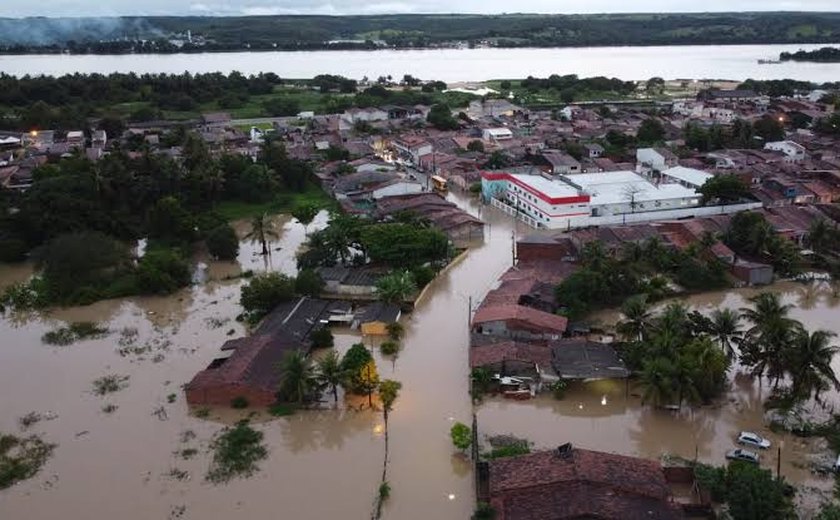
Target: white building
[655, 158]
[794, 152]
[497, 134]
[687, 177]
[411, 147]
[588, 199]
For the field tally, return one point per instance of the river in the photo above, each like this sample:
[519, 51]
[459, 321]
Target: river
[321, 464]
[733, 62]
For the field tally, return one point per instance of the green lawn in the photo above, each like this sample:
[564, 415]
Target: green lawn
[284, 203]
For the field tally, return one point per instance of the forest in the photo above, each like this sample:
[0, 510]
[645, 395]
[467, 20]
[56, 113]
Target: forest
[823, 55]
[149, 34]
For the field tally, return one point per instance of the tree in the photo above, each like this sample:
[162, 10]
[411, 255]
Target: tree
[170, 222]
[162, 271]
[726, 329]
[461, 435]
[389, 390]
[396, 287]
[475, 146]
[651, 131]
[309, 283]
[726, 188]
[657, 380]
[655, 85]
[368, 380]
[222, 242]
[497, 161]
[769, 129]
[77, 262]
[266, 291]
[305, 214]
[440, 116]
[396, 331]
[765, 341]
[262, 230]
[297, 377]
[637, 318]
[331, 374]
[354, 360]
[810, 369]
[753, 494]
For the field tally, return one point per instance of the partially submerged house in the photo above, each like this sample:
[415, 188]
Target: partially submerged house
[373, 319]
[580, 359]
[518, 322]
[573, 483]
[249, 367]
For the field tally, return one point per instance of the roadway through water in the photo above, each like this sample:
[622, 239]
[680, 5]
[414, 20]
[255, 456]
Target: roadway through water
[322, 464]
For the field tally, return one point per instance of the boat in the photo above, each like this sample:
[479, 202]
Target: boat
[768, 61]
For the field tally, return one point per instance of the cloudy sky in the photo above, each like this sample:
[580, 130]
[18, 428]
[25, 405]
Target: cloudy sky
[16, 8]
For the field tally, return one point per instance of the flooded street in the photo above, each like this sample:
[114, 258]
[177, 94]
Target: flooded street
[327, 463]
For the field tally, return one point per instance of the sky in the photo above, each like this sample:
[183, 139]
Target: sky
[55, 8]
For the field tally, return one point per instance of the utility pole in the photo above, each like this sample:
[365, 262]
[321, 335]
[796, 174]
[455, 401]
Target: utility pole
[469, 313]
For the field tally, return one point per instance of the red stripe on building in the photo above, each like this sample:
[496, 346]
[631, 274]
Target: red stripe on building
[550, 200]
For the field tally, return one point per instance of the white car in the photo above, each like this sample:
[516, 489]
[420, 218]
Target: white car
[742, 454]
[754, 440]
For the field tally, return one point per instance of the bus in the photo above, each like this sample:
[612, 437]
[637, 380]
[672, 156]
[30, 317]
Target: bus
[440, 184]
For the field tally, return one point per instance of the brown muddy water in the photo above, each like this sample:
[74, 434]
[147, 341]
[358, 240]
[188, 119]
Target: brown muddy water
[325, 463]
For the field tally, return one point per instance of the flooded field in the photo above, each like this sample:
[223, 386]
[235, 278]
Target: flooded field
[326, 463]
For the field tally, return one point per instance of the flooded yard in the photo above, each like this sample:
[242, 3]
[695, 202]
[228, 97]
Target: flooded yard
[325, 463]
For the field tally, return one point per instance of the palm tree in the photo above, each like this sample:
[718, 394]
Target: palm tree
[763, 345]
[685, 374]
[674, 319]
[657, 379]
[811, 359]
[262, 229]
[637, 318]
[725, 329]
[396, 287]
[297, 377]
[818, 235]
[331, 374]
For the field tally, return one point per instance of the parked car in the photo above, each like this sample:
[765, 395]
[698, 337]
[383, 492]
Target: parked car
[742, 454]
[754, 440]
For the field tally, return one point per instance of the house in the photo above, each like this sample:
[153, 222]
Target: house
[561, 163]
[373, 320]
[594, 150]
[216, 119]
[411, 147]
[727, 95]
[75, 138]
[518, 322]
[497, 134]
[367, 115]
[794, 152]
[247, 367]
[99, 138]
[346, 281]
[573, 483]
[493, 108]
[580, 359]
[513, 359]
[658, 159]
[752, 273]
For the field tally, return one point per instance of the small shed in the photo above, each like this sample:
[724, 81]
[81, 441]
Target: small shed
[752, 273]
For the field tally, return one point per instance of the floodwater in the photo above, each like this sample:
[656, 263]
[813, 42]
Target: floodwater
[325, 463]
[734, 62]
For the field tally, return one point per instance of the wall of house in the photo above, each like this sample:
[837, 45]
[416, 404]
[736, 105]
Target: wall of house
[400, 188]
[509, 329]
[223, 394]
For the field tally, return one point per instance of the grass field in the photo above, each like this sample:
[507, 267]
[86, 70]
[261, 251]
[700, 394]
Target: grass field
[284, 203]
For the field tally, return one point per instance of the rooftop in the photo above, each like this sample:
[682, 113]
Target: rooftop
[581, 359]
[531, 317]
[618, 187]
[577, 483]
[689, 175]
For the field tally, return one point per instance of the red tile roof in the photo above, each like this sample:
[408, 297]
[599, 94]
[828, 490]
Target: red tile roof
[531, 318]
[510, 351]
[583, 484]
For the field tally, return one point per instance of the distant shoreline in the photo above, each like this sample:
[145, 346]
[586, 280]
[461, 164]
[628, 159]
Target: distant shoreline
[51, 52]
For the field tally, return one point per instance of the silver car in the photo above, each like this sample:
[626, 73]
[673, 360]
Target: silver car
[742, 454]
[753, 440]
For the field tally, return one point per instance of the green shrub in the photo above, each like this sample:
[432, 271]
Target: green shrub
[239, 402]
[21, 458]
[308, 283]
[236, 452]
[396, 331]
[461, 435]
[558, 389]
[222, 243]
[484, 511]
[389, 348]
[266, 291]
[281, 410]
[74, 332]
[162, 271]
